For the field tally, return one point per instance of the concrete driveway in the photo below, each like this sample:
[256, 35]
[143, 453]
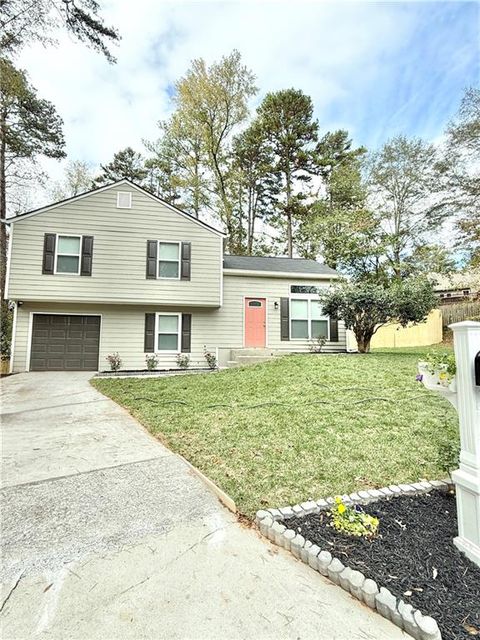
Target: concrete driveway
[106, 534]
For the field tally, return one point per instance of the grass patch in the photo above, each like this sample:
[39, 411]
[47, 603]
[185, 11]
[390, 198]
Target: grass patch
[298, 427]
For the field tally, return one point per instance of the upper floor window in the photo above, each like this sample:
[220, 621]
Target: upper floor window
[169, 260]
[67, 259]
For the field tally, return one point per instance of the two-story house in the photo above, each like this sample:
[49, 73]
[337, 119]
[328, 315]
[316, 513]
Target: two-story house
[117, 269]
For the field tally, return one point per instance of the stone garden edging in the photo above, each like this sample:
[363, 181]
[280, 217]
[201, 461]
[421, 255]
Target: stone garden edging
[363, 588]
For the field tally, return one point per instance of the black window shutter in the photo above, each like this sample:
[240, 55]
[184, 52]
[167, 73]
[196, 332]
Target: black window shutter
[87, 256]
[48, 264]
[152, 246]
[333, 329]
[186, 261]
[284, 319]
[149, 341]
[186, 332]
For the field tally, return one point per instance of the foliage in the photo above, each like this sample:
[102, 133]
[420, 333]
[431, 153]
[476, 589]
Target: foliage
[114, 361]
[316, 344]
[183, 360]
[30, 128]
[126, 163]
[459, 172]
[177, 170]
[77, 179]
[377, 424]
[256, 183]
[402, 183]
[211, 102]
[441, 361]
[286, 120]
[23, 22]
[210, 357]
[448, 455]
[352, 520]
[366, 306]
[151, 360]
[6, 326]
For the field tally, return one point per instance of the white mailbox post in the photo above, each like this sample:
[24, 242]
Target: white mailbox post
[467, 477]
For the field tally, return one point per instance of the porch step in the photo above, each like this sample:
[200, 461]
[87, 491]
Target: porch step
[235, 353]
[244, 357]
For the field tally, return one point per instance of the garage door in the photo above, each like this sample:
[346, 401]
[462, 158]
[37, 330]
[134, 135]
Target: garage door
[65, 343]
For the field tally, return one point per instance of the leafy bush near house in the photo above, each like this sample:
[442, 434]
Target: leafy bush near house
[114, 361]
[316, 344]
[210, 357]
[6, 331]
[151, 361]
[183, 360]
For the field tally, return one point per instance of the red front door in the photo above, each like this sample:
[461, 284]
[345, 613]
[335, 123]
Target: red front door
[255, 322]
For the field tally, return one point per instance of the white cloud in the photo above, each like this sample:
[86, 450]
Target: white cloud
[336, 52]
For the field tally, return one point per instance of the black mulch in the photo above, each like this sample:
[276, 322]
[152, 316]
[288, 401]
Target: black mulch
[412, 555]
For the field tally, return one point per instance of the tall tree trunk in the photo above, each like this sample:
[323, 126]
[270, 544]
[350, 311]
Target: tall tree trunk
[289, 217]
[3, 208]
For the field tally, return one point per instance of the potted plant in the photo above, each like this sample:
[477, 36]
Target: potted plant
[438, 369]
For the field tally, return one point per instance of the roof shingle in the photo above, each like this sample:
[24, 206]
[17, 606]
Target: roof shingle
[286, 265]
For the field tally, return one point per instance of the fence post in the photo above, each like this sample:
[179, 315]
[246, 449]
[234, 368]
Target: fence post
[467, 477]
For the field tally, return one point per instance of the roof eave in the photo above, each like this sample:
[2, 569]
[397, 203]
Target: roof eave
[281, 274]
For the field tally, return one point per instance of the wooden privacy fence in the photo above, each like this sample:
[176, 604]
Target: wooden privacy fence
[458, 312]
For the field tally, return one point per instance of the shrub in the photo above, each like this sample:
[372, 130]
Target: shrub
[6, 330]
[210, 357]
[353, 520]
[449, 456]
[316, 344]
[114, 361]
[183, 360]
[151, 361]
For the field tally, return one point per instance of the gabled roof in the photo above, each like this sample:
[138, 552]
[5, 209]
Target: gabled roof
[277, 265]
[123, 181]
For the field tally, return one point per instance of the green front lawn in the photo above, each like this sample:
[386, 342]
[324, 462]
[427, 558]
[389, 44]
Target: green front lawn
[298, 427]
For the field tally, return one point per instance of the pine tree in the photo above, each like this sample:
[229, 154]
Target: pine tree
[126, 163]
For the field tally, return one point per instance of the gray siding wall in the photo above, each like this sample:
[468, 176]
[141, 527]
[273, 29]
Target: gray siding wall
[122, 327]
[119, 254]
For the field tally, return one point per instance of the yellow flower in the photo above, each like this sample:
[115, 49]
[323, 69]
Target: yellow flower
[338, 499]
[341, 508]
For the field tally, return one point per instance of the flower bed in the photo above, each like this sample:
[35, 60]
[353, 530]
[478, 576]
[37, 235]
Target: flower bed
[410, 571]
[140, 373]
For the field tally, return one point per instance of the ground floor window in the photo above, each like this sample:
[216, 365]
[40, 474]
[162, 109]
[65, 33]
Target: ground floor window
[168, 331]
[307, 321]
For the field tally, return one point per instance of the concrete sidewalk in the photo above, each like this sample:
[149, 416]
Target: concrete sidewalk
[125, 542]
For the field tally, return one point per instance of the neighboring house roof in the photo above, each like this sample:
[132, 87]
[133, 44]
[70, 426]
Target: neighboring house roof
[277, 265]
[34, 212]
[456, 281]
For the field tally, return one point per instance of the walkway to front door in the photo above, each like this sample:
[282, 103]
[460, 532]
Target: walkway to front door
[255, 322]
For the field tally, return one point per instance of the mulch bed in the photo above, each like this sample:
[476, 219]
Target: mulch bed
[150, 373]
[413, 556]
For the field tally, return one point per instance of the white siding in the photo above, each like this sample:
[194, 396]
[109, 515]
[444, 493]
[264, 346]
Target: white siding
[119, 254]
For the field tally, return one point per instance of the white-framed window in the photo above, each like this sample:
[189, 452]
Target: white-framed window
[307, 320]
[67, 254]
[167, 332]
[168, 260]
[124, 200]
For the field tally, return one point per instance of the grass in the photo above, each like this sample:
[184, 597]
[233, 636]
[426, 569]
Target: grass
[299, 427]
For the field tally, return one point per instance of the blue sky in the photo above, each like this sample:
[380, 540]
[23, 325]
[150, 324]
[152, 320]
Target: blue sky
[377, 69]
